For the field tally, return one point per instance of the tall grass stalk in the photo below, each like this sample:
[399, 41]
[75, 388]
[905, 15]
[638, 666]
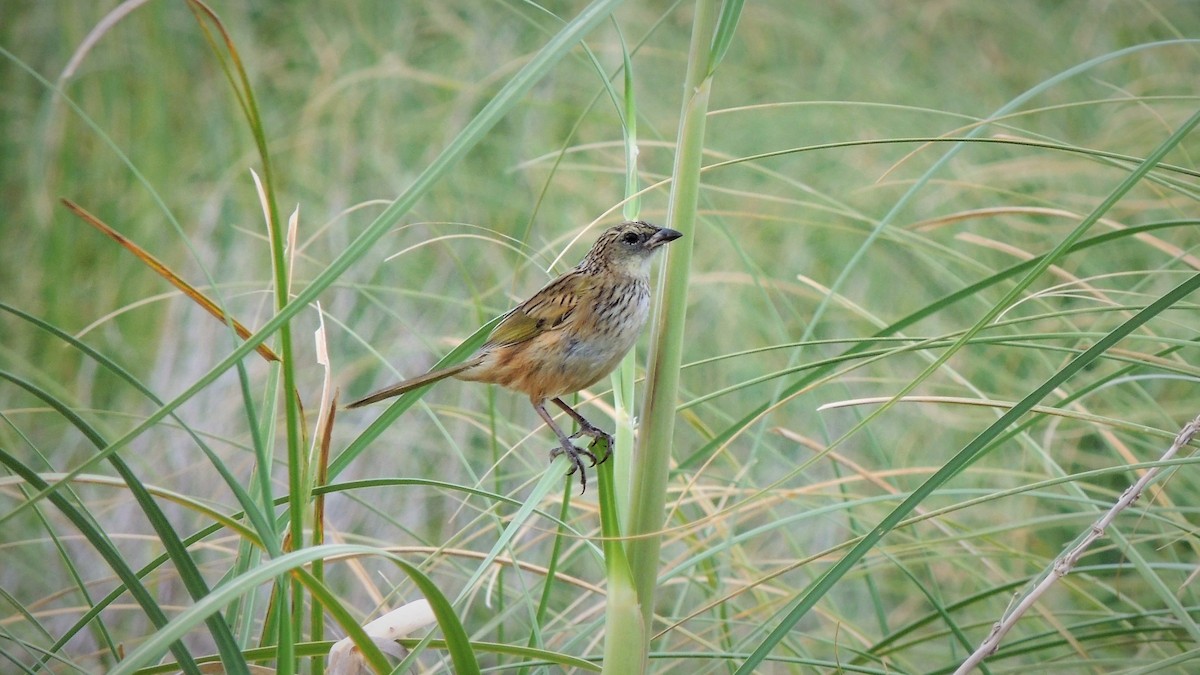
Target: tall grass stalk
[289, 595]
[625, 632]
[981, 443]
[288, 613]
[475, 130]
[657, 424]
[880, 211]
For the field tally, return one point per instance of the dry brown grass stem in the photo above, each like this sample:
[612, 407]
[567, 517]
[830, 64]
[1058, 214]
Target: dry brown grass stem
[1063, 566]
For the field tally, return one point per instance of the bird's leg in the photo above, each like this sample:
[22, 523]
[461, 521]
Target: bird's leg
[586, 428]
[565, 446]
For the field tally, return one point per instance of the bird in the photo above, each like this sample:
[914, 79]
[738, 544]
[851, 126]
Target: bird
[567, 336]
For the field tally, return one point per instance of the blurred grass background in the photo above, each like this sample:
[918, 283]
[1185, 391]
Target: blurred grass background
[358, 97]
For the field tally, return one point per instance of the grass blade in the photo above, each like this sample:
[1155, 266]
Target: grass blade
[981, 443]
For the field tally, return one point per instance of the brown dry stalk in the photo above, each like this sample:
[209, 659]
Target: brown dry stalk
[1063, 566]
[326, 435]
[175, 280]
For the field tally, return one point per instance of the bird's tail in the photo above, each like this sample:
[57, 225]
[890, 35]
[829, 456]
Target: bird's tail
[418, 381]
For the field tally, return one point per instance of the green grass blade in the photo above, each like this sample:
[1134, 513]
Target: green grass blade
[626, 637]
[655, 438]
[982, 442]
[504, 100]
[262, 525]
[189, 574]
[731, 12]
[96, 536]
[210, 605]
[406, 401]
[821, 368]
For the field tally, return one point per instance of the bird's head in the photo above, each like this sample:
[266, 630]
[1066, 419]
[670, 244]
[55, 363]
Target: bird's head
[628, 247]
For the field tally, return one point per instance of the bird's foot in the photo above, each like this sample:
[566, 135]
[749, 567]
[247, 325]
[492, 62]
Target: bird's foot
[597, 434]
[575, 456]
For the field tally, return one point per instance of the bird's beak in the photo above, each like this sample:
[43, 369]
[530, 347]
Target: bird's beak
[663, 236]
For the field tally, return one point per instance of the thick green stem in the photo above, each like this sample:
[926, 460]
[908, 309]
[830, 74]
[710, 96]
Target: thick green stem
[658, 418]
[626, 641]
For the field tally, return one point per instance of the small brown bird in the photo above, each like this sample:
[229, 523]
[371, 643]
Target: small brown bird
[568, 335]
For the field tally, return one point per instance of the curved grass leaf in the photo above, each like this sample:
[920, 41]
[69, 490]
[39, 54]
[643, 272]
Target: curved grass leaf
[97, 537]
[973, 450]
[292, 563]
[185, 565]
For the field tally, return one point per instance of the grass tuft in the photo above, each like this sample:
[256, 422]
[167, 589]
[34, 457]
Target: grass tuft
[936, 312]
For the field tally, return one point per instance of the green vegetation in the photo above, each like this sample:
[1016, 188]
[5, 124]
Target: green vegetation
[939, 315]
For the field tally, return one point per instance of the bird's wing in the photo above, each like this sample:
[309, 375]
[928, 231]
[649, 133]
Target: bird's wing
[548, 309]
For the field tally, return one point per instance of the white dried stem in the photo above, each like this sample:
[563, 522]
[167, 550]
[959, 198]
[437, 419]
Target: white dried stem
[346, 659]
[1067, 562]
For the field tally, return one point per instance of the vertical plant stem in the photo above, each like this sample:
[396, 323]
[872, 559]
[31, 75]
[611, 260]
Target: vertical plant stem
[623, 403]
[551, 570]
[317, 616]
[626, 640]
[658, 418]
[244, 92]
[623, 378]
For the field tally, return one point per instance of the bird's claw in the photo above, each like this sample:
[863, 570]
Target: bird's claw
[574, 456]
[597, 435]
[590, 430]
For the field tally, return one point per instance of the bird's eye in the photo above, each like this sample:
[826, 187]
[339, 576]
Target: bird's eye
[630, 238]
